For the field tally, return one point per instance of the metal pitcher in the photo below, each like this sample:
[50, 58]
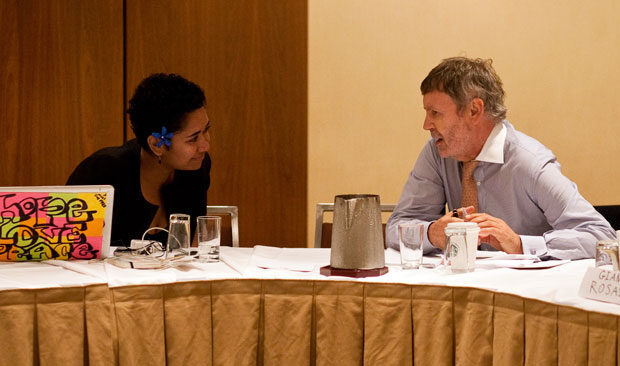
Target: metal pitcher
[357, 233]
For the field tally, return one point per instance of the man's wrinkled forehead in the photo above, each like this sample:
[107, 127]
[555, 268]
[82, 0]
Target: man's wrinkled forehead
[438, 100]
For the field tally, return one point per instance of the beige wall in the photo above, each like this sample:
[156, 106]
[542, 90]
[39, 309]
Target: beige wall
[560, 64]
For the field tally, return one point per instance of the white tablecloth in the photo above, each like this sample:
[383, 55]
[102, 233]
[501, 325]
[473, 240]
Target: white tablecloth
[558, 285]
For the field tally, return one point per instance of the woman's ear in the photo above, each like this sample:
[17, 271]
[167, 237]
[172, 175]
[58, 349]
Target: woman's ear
[152, 142]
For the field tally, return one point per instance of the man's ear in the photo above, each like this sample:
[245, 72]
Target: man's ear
[152, 141]
[476, 109]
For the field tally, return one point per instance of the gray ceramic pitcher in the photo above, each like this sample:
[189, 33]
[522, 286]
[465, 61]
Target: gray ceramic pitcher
[357, 233]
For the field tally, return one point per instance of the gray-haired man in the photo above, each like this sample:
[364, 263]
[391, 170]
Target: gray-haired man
[524, 204]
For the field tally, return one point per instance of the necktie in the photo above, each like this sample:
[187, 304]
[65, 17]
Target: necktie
[469, 189]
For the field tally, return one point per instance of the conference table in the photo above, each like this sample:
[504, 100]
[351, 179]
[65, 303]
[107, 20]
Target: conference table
[271, 306]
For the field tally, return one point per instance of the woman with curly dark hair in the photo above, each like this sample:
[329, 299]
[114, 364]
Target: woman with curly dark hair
[165, 169]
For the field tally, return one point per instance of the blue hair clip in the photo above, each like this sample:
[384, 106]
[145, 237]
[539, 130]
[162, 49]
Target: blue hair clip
[164, 137]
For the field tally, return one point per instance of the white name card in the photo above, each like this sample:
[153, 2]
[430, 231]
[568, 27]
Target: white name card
[600, 284]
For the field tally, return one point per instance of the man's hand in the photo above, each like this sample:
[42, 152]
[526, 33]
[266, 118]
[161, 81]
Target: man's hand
[436, 233]
[497, 233]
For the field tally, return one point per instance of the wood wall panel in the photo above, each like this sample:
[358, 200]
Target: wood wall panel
[61, 86]
[250, 57]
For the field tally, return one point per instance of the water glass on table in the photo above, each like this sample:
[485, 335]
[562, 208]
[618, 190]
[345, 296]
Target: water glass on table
[410, 239]
[208, 231]
[178, 236]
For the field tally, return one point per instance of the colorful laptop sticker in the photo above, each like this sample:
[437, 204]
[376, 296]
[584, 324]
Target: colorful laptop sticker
[55, 222]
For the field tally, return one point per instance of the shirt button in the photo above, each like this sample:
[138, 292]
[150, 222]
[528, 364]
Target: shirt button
[478, 183]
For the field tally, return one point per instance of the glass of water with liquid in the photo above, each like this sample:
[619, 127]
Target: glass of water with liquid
[410, 239]
[208, 231]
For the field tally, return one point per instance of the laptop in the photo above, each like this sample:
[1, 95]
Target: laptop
[55, 222]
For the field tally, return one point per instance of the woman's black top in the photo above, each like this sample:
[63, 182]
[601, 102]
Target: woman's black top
[120, 167]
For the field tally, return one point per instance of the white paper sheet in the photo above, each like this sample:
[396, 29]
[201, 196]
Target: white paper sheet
[292, 259]
[503, 262]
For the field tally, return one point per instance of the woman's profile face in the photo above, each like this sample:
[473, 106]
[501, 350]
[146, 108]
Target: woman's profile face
[189, 144]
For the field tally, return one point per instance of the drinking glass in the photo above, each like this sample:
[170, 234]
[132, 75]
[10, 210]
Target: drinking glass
[178, 235]
[208, 228]
[410, 239]
[607, 254]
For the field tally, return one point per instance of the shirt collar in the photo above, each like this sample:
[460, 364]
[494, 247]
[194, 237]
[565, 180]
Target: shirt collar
[493, 149]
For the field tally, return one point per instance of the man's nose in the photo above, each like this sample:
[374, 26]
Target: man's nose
[428, 124]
